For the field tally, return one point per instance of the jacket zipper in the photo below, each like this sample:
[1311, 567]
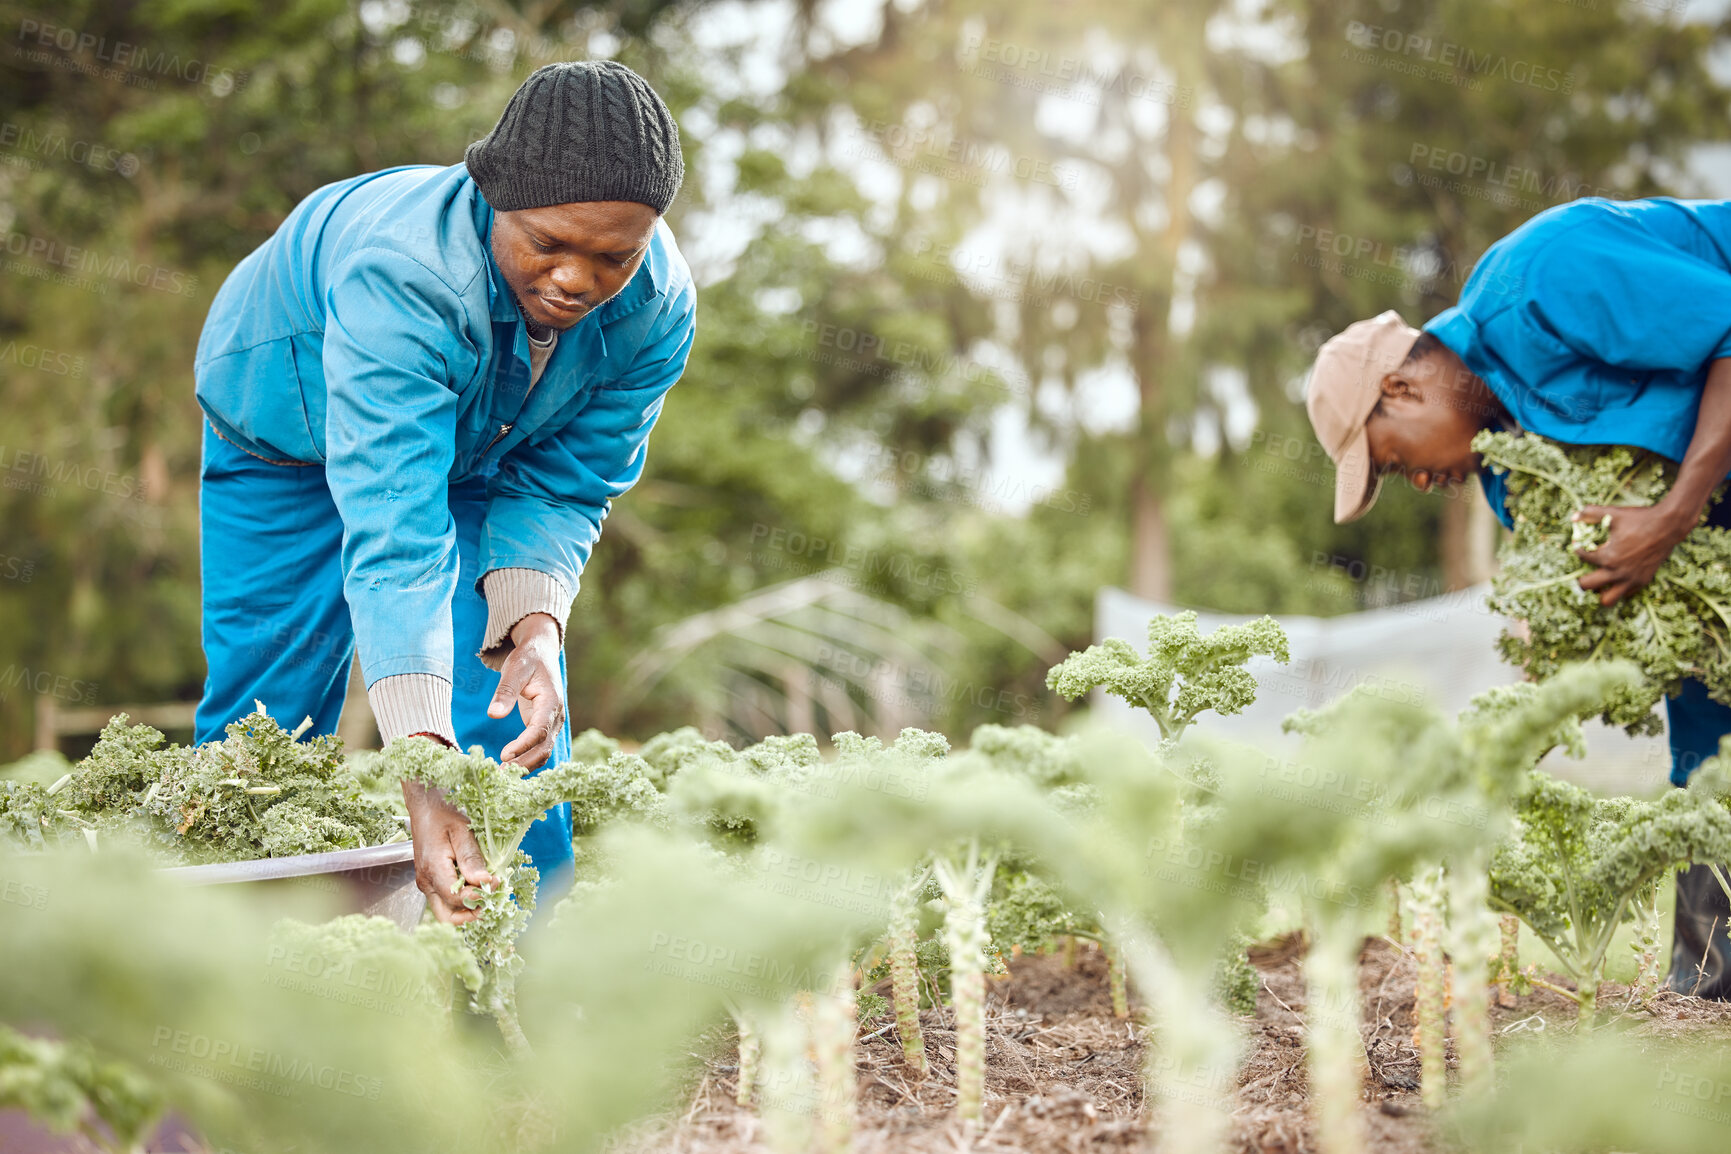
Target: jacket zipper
[503, 429]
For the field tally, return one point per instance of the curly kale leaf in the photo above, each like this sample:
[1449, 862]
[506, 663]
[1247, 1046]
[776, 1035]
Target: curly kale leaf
[371, 953]
[1026, 910]
[668, 753]
[1184, 673]
[1510, 728]
[1676, 627]
[64, 1086]
[734, 792]
[124, 763]
[260, 792]
[592, 745]
[1047, 760]
[378, 785]
[501, 804]
[30, 819]
[1575, 863]
[619, 785]
[221, 801]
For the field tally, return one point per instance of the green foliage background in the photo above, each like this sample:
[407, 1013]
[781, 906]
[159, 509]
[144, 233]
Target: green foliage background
[202, 122]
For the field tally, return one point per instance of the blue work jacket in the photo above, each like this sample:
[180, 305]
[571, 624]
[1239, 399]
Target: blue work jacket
[1595, 322]
[374, 335]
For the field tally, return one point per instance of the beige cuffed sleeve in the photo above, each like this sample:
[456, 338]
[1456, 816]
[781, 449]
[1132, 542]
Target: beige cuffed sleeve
[412, 703]
[511, 595]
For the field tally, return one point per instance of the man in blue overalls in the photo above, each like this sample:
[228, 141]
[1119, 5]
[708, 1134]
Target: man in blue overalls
[1595, 323]
[423, 394]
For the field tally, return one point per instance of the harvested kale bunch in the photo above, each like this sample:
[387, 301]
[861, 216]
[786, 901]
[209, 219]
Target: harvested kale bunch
[30, 820]
[260, 792]
[1676, 627]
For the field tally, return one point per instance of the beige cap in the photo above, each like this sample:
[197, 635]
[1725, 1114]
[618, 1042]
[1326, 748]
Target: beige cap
[1345, 384]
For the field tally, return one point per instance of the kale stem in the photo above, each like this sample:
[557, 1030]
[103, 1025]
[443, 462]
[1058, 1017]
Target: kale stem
[1551, 943]
[1596, 959]
[512, 1031]
[1575, 919]
[1585, 569]
[486, 820]
[1719, 876]
[1711, 603]
[1541, 474]
[1160, 715]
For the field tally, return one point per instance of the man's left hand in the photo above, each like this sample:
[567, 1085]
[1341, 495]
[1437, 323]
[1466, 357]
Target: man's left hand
[530, 681]
[1641, 538]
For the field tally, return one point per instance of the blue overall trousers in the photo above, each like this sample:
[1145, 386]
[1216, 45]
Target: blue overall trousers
[276, 626]
[1701, 937]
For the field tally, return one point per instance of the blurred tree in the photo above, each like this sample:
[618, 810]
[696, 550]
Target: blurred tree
[1236, 181]
[916, 226]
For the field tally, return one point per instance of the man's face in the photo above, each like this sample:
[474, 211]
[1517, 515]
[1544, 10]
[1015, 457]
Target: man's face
[566, 259]
[1423, 428]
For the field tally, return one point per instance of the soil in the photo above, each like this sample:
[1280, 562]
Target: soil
[1064, 1075]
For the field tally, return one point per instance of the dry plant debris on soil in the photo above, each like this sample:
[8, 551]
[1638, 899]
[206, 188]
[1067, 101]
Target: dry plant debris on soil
[1064, 1075]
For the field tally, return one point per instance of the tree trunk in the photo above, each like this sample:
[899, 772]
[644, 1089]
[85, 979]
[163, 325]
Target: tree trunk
[1150, 542]
[1152, 353]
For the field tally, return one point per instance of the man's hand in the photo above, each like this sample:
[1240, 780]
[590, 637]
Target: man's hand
[1641, 538]
[530, 681]
[444, 844]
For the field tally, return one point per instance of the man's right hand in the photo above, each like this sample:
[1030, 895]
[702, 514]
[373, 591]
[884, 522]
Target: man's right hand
[444, 843]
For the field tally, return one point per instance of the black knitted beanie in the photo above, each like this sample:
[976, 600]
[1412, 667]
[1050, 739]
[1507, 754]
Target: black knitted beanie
[577, 131]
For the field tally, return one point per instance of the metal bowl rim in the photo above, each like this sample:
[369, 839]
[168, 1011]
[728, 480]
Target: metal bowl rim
[300, 865]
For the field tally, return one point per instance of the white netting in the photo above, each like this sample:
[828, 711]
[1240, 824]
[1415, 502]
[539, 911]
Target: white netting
[1441, 650]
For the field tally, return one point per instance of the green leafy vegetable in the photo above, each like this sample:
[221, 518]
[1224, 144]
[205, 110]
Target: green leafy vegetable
[1676, 627]
[373, 954]
[66, 1088]
[1184, 673]
[42, 766]
[501, 804]
[260, 792]
[29, 818]
[1579, 866]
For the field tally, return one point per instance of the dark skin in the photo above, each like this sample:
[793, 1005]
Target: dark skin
[561, 263]
[567, 259]
[1432, 407]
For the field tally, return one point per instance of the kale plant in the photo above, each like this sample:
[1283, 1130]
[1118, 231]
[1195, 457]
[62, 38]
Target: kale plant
[1579, 866]
[373, 955]
[64, 1086]
[1184, 673]
[1676, 627]
[501, 804]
